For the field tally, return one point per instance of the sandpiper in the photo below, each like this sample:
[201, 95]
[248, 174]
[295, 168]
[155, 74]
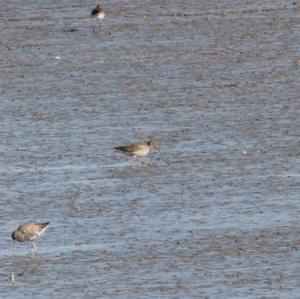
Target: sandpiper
[29, 232]
[138, 149]
[98, 14]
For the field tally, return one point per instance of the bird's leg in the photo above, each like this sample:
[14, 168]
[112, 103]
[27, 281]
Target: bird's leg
[14, 247]
[143, 163]
[33, 249]
[12, 277]
[139, 161]
[95, 25]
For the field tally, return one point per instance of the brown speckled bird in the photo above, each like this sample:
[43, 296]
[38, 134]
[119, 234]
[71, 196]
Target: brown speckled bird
[138, 149]
[29, 232]
[98, 14]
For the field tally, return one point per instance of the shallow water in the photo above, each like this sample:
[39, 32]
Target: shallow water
[214, 213]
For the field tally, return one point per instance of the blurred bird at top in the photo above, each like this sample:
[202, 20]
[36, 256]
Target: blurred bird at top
[98, 14]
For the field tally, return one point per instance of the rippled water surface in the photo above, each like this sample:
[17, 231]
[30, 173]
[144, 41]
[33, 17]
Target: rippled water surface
[214, 213]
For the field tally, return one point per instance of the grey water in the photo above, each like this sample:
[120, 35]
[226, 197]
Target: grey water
[215, 212]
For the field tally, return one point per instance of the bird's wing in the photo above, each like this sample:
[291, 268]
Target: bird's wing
[42, 226]
[131, 148]
[23, 228]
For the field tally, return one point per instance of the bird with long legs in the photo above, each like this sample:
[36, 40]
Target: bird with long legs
[29, 232]
[98, 14]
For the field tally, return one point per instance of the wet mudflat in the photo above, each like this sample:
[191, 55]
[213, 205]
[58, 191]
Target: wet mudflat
[215, 213]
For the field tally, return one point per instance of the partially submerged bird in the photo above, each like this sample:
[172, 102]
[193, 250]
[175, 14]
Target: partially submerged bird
[29, 232]
[98, 14]
[139, 149]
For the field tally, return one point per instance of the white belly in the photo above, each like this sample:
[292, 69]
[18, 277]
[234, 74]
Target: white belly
[100, 15]
[142, 152]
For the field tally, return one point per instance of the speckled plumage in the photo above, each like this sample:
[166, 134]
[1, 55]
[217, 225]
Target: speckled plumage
[29, 231]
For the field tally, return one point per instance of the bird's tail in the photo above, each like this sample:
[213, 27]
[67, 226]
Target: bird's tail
[120, 148]
[43, 225]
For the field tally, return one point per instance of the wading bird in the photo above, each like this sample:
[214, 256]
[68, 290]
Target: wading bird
[98, 15]
[138, 149]
[29, 232]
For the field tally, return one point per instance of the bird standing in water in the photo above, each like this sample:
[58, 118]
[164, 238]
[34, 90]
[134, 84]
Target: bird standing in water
[97, 14]
[138, 149]
[29, 232]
